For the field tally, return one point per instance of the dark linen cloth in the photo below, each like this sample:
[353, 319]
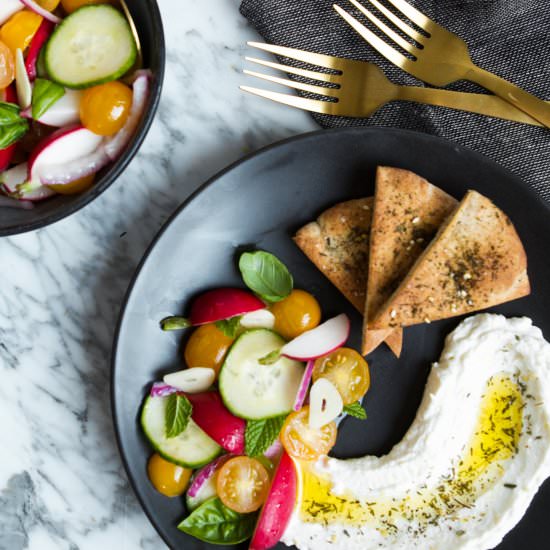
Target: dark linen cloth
[508, 37]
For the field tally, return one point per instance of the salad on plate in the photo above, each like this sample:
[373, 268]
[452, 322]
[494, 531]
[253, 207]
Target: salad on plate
[72, 93]
[265, 383]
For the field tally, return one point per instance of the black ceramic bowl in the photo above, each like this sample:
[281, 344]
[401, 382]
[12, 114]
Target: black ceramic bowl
[146, 16]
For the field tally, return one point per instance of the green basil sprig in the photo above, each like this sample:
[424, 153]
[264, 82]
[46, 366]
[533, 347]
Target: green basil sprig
[260, 434]
[177, 413]
[12, 125]
[44, 94]
[266, 275]
[213, 522]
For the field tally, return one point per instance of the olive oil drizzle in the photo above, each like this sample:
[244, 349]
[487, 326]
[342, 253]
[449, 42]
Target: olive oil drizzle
[495, 439]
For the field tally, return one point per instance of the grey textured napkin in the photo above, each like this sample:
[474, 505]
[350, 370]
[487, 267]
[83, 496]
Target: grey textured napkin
[508, 37]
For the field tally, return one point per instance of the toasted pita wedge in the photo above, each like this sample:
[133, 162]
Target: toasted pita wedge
[408, 211]
[338, 244]
[476, 261]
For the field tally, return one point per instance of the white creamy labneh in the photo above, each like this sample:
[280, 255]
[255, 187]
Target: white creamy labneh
[466, 470]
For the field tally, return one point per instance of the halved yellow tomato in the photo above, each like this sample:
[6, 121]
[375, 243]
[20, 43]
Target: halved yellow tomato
[7, 66]
[298, 312]
[169, 479]
[18, 30]
[303, 442]
[242, 484]
[347, 370]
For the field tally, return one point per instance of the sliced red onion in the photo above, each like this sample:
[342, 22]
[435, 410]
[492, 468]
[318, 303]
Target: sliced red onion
[8, 202]
[205, 474]
[160, 389]
[33, 6]
[274, 452]
[304, 385]
[115, 144]
[61, 174]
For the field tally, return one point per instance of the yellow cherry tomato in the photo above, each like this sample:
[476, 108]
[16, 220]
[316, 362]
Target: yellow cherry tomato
[7, 66]
[168, 479]
[77, 186]
[105, 108]
[242, 484]
[298, 312]
[49, 5]
[18, 31]
[72, 5]
[207, 347]
[347, 370]
[303, 442]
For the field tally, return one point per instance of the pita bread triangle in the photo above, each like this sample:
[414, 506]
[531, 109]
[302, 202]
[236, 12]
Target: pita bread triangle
[408, 211]
[476, 261]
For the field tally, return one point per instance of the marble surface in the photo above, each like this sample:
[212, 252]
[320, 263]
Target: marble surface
[62, 484]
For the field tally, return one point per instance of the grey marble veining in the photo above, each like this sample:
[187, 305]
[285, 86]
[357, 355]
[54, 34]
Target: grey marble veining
[62, 485]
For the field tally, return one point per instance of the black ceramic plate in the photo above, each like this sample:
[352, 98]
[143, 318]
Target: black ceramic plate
[146, 16]
[260, 202]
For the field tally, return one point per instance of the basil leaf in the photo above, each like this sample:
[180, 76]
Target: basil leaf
[44, 94]
[260, 434]
[12, 125]
[230, 326]
[177, 414]
[356, 410]
[265, 275]
[213, 522]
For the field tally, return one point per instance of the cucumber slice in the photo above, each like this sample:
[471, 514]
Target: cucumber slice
[191, 449]
[91, 46]
[255, 391]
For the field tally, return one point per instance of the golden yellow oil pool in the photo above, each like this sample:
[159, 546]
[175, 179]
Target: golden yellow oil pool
[495, 440]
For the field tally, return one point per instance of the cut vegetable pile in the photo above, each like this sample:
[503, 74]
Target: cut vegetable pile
[263, 383]
[70, 95]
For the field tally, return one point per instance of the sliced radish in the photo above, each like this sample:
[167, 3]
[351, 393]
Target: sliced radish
[6, 156]
[115, 144]
[304, 385]
[278, 507]
[8, 8]
[211, 415]
[65, 111]
[14, 176]
[215, 305]
[319, 341]
[8, 202]
[195, 380]
[204, 474]
[33, 6]
[62, 147]
[38, 40]
[262, 318]
[160, 389]
[22, 82]
[325, 403]
[60, 174]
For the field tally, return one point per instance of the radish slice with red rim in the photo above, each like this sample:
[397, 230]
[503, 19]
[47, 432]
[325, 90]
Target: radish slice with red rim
[61, 174]
[38, 40]
[321, 340]
[37, 8]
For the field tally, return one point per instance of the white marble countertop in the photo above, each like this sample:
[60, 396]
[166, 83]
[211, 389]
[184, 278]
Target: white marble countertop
[62, 484]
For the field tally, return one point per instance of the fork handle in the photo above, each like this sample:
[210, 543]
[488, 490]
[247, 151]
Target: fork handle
[511, 93]
[482, 104]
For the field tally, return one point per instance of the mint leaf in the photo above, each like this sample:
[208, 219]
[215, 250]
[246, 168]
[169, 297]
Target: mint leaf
[356, 410]
[265, 275]
[12, 125]
[260, 434]
[177, 413]
[213, 522]
[44, 94]
[229, 326]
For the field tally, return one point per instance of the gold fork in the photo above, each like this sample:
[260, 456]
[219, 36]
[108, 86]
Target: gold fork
[362, 88]
[439, 57]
